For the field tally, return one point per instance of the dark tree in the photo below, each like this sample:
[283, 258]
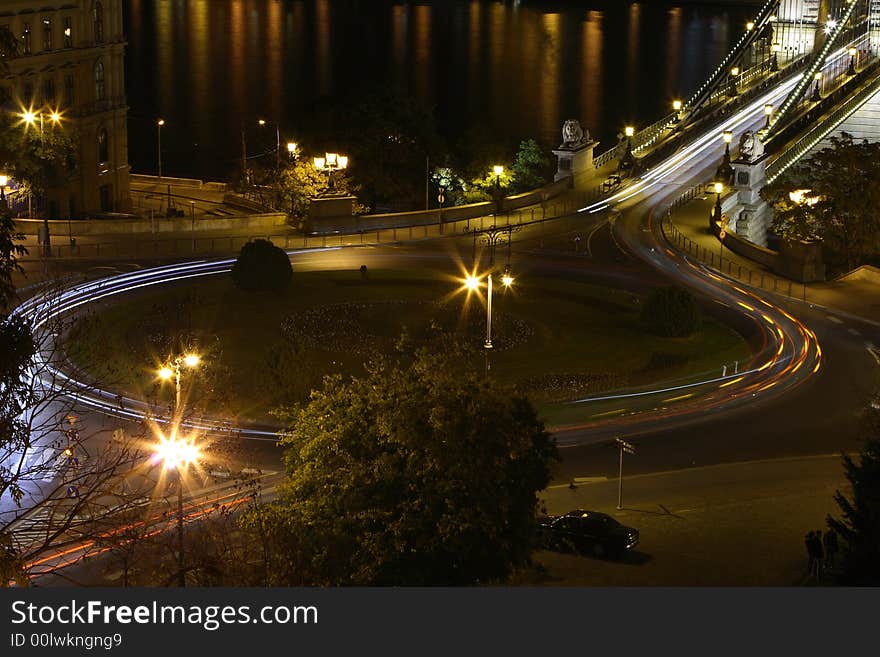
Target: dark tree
[859, 524]
[417, 474]
[262, 267]
[531, 167]
[10, 252]
[671, 312]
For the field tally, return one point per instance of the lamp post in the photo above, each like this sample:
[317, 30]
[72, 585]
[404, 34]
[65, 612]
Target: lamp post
[852, 61]
[173, 369]
[716, 212]
[262, 123]
[627, 160]
[768, 112]
[472, 283]
[159, 124]
[497, 171]
[774, 57]
[176, 454]
[676, 107]
[734, 73]
[329, 163]
[725, 171]
[4, 180]
[292, 150]
[816, 97]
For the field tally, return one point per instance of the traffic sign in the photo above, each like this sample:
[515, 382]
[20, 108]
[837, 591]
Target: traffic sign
[625, 446]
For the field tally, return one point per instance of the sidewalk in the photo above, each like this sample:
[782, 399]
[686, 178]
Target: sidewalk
[737, 524]
[856, 294]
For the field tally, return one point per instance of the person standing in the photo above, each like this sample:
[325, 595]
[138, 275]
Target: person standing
[819, 554]
[829, 540]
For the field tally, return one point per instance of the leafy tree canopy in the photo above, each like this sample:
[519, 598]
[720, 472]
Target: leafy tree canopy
[416, 474]
[833, 196]
[262, 266]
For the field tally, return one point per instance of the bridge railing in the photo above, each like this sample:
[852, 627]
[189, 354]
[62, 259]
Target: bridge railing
[825, 125]
[650, 135]
[756, 278]
[556, 210]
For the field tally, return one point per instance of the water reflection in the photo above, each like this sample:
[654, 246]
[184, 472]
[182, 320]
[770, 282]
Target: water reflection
[208, 65]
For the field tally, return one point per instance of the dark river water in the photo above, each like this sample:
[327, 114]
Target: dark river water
[516, 68]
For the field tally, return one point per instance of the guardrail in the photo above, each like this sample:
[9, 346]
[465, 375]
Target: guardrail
[757, 278]
[203, 245]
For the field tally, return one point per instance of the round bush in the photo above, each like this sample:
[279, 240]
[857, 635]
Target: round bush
[262, 266]
[671, 312]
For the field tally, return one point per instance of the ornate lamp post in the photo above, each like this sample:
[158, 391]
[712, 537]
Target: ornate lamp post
[734, 73]
[852, 61]
[768, 112]
[628, 159]
[497, 171]
[816, 97]
[329, 163]
[173, 369]
[716, 212]
[725, 171]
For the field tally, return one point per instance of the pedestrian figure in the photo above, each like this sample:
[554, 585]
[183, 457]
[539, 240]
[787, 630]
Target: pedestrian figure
[830, 542]
[819, 553]
[809, 543]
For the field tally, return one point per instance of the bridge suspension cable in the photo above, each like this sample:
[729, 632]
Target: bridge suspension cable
[753, 32]
[834, 30]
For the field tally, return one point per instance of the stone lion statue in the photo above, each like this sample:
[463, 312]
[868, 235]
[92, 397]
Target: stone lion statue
[572, 134]
[750, 146]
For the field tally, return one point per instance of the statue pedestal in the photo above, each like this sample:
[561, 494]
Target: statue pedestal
[572, 162]
[331, 213]
[752, 215]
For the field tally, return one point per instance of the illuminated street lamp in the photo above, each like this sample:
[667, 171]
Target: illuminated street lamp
[718, 188]
[329, 163]
[627, 160]
[159, 124]
[262, 123]
[172, 371]
[725, 171]
[768, 112]
[676, 107]
[292, 150]
[816, 97]
[472, 283]
[852, 61]
[4, 180]
[774, 61]
[177, 454]
[497, 171]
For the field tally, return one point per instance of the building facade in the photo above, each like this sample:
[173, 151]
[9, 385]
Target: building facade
[70, 61]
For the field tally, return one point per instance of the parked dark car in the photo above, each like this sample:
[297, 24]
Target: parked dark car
[587, 532]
